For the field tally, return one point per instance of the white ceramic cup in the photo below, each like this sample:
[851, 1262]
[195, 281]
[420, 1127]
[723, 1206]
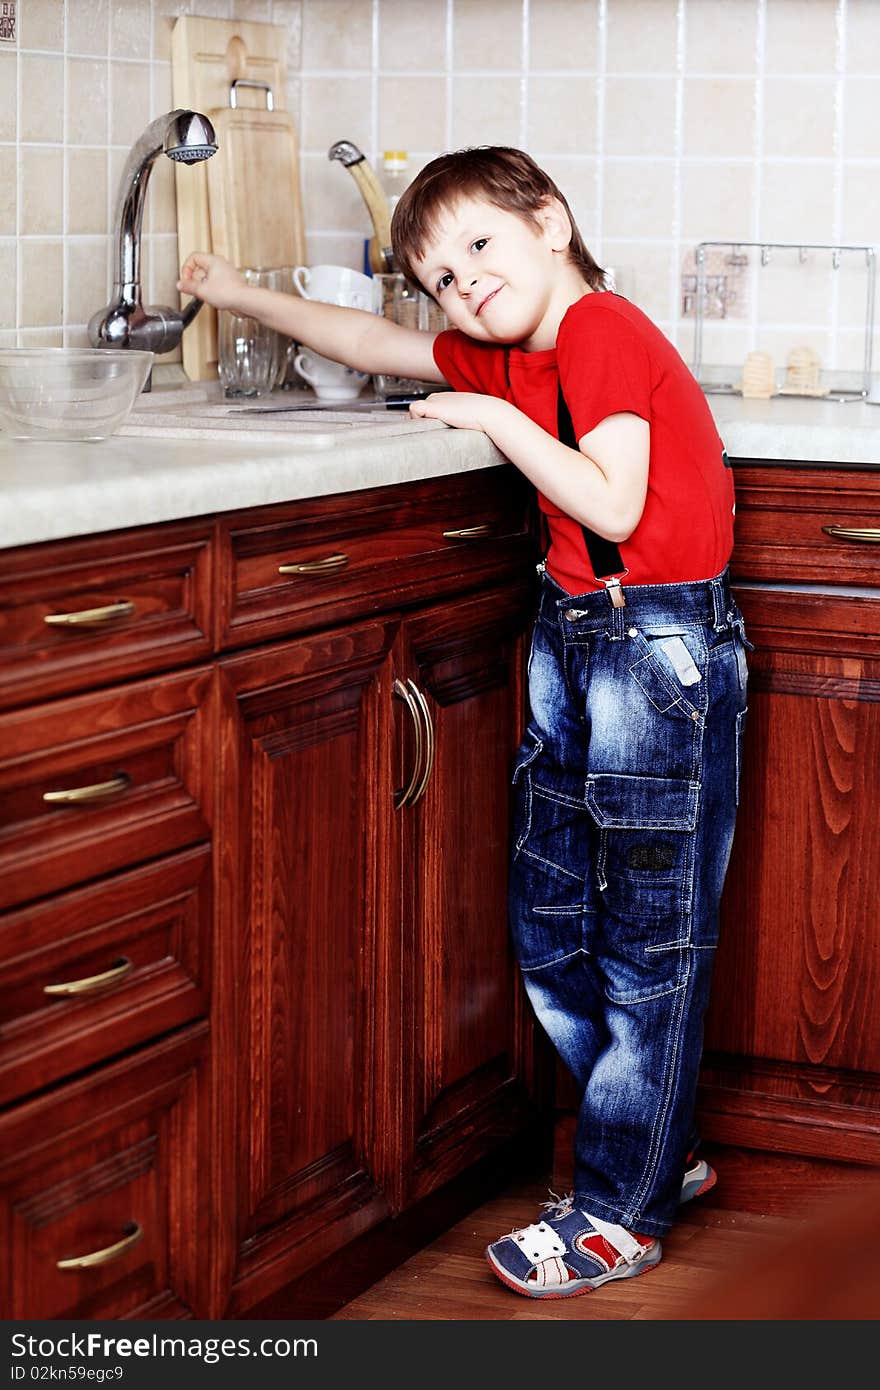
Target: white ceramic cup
[337, 284]
[330, 381]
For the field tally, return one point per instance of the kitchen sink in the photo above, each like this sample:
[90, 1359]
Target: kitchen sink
[202, 411]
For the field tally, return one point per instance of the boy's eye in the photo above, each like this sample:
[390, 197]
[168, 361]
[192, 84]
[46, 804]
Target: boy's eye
[479, 243]
[444, 281]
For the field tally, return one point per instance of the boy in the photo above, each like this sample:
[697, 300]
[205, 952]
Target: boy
[627, 779]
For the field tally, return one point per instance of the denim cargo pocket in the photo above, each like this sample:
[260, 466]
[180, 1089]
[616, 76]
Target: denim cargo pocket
[656, 674]
[521, 811]
[644, 874]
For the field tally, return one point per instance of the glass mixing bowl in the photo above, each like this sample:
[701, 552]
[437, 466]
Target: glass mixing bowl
[69, 393]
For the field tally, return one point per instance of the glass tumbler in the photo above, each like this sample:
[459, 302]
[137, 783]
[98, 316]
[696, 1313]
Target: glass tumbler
[404, 304]
[246, 355]
[280, 279]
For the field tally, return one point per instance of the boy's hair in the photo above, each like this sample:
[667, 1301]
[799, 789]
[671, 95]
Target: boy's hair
[508, 178]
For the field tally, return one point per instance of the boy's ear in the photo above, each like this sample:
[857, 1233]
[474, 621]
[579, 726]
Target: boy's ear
[556, 224]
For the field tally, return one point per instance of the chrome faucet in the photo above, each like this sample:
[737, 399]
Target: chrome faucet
[185, 136]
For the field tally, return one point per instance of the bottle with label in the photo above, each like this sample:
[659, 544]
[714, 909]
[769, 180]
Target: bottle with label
[393, 175]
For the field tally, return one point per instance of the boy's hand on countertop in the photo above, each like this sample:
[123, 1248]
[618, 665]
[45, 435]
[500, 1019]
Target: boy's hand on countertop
[464, 410]
[211, 278]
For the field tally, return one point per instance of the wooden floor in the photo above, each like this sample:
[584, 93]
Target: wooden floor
[734, 1253]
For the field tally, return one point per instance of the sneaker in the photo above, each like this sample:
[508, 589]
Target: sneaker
[569, 1253]
[699, 1177]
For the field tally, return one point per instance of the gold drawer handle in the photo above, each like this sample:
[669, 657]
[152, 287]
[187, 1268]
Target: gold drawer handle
[325, 566]
[98, 790]
[429, 742]
[89, 983]
[870, 535]
[468, 533]
[86, 616]
[404, 693]
[103, 1257]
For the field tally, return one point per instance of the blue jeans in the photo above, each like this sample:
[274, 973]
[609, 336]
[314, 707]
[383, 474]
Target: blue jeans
[626, 783]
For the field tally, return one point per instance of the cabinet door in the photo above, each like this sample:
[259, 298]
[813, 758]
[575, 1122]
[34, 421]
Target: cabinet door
[305, 749]
[793, 1033]
[467, 1056]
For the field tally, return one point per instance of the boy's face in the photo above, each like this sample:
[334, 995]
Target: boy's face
[496, 277]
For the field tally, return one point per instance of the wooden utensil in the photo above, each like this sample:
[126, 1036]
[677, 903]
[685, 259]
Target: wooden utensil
[364, 175]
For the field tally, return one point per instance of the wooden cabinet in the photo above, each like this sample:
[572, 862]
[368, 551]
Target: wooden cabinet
[253, 855]
[792, 1057]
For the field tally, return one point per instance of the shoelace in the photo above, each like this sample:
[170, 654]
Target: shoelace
[559, 1206]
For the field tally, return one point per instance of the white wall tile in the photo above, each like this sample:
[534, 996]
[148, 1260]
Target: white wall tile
[41, 187]
[799, 117]
[862, 36]
[721, 40]
[486, 35]
[797, 202]
[564, 35]
[42, 97]
[561, 115]
[412, 38]
[8, 190]
[337, 110]
[716, 201]
[412, 113]
[861, 134]
[638, 199]
[719, 116]
[485, 111]
[337, 34]
[801, 36]
[639, 116]
[642, 35]
[88, 26]
[41, 24]
[8, 108]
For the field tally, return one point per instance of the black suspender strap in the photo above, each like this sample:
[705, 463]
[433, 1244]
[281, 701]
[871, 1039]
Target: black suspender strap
[603, 554]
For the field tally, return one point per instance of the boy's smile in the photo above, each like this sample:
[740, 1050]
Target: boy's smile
[499, 279]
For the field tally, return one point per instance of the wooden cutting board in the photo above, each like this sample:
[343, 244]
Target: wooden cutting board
[254, 189]
[247, 208]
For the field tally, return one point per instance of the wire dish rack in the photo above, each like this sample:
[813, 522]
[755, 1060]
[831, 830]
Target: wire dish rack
[760, 254]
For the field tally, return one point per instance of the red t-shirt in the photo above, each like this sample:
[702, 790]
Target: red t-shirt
[611, 358]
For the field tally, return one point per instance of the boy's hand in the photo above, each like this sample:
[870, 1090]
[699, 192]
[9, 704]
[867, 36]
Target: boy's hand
[464, 410]
[212, 279]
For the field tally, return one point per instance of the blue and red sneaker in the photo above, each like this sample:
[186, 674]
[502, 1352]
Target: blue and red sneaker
[569, 1252]
[699, 1177]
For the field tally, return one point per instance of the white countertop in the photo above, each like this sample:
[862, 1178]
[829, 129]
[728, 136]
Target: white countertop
[183, 454]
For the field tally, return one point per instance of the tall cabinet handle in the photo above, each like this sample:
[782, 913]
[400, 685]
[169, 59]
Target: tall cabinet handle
[870, 535]
[402, 692]
[429, 742]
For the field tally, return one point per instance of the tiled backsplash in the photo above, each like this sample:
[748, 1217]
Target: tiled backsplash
[665, 122]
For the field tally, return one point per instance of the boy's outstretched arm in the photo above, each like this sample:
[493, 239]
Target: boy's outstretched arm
[601, 484]
[367, 342]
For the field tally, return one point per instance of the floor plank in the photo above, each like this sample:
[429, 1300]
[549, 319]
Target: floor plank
[761, 1201]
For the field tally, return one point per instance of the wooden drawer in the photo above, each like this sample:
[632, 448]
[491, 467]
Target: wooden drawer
[94, 972]
[135, 602]
[368, 551]
[781, 516]
[140, 753]
[114, 1167]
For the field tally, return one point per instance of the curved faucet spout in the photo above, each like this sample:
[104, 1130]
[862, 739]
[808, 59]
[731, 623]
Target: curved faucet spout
[186, 137]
